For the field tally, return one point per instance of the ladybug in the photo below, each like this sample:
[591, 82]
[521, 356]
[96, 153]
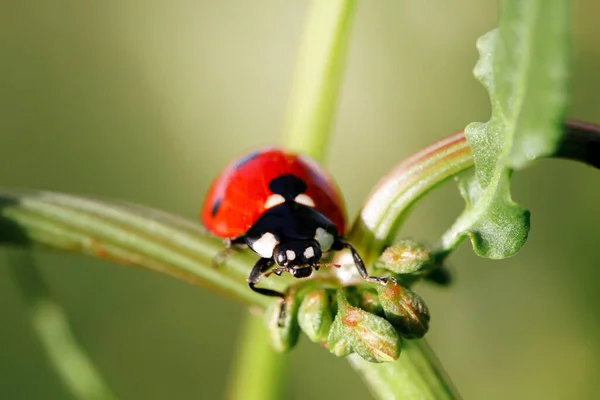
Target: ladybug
[285, 208]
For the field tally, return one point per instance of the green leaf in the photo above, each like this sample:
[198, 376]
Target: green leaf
[524, 66]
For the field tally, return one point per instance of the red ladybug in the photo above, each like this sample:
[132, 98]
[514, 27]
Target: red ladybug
[285, 208]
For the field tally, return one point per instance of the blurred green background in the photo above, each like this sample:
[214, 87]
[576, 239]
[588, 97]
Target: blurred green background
[147, 100]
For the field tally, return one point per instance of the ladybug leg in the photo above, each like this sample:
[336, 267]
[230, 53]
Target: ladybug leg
[231, 246]
[260, 268]
[360, 265]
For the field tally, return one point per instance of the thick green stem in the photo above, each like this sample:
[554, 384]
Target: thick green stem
[317, 77]
[411, 377]
[308, 127]
[69, 360]
[394, 196]
[127, 234]
[258, 368]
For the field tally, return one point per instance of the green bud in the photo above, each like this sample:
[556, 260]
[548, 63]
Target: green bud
[405, 309]
[371, 337]
[369, 301]
[315, 315]
[338, 341]
[284, 332]
[405, 257]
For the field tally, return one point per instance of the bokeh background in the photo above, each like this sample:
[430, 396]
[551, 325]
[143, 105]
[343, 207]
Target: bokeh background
[147, 100]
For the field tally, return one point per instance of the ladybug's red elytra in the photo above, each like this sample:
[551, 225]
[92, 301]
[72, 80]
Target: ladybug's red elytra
[284, 207]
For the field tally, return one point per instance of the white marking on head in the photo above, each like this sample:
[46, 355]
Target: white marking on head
[309, 252]
[324, 238]
[274, 200]
[265, 245]
[304, 199]
[290, 254]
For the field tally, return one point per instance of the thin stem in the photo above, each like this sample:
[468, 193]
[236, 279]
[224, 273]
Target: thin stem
[69, 359]
[317, 77]
[258, 368]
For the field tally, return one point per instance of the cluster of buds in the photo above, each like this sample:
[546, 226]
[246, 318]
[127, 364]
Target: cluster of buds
[368, 319]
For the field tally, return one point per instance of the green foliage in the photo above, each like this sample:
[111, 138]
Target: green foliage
[523, 65]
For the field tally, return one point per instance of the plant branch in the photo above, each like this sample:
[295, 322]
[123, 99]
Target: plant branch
[317, 77]
[127, 234]
[307, 131]
[395, 195]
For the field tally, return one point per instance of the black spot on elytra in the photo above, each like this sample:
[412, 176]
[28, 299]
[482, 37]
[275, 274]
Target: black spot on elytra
[288, 186]
[215, 207]
[245, 160]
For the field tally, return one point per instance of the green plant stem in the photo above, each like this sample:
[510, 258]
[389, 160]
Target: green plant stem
[69, 360]
[127, 234]
[317, 77]
[411, 377]
[394, 196]
[307, 131]
[258, 368]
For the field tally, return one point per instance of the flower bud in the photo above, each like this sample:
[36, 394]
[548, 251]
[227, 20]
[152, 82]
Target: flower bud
[405, 257]
[282, 319]
[371, 337]
[315, 315]
[369, 301]
[405, 309]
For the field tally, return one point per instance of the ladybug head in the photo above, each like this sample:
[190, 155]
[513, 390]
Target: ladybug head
[297, 253]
